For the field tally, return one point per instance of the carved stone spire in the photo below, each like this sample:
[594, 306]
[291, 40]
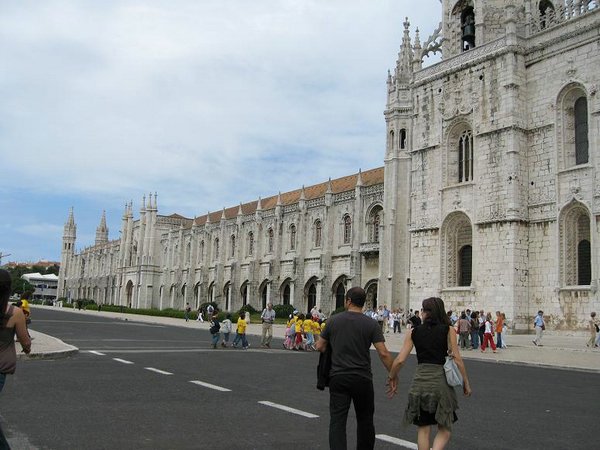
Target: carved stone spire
[405, 56]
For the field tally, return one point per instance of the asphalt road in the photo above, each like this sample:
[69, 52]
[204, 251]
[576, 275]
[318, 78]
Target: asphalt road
[151, 386]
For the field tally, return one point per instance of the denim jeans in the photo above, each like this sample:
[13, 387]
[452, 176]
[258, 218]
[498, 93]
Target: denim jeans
[498, 340]
[240, 337]
[475, 338]
[215, 339]
[344, 389]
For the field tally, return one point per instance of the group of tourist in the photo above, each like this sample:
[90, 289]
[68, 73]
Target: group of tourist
[303, 331]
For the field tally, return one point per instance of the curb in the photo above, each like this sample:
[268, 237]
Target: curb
[48, 355]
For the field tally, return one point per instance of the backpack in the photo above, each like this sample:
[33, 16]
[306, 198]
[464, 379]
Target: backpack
[214, 329]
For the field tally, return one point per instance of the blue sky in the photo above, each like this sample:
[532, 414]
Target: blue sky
[208, 103]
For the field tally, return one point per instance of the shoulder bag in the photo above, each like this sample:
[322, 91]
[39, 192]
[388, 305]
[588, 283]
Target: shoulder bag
[453, 375]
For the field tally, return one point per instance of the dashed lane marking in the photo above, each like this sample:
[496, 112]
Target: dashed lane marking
[210, 386]
[97, 353]
[124, 361]
[397, 441]
[152, 369]
[290, 410]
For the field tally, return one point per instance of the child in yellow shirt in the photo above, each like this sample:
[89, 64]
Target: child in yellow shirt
[240, 333]
[298, 328]
[308, 325]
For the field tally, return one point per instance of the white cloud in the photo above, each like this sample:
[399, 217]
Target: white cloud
[202, 101]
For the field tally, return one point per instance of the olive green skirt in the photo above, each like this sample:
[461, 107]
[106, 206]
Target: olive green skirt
[430, 399]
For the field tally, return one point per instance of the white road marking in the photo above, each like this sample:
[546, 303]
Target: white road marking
[210, 386]
[124, 361]
[290, 410]
[152, 369]
[400, 442]
[97, 353]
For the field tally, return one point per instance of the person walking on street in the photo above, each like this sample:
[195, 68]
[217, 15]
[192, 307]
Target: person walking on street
[210, 310]
[349, 335]
[12, 321]
[200, 318]
[540, 326]
[267, 316]
[226, 329]
[215, 330]
[431, 401]
[241, 333]
[593, 330]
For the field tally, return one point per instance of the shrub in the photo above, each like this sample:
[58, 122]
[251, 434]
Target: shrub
[249, 308]
[283, 311]
[338, 310]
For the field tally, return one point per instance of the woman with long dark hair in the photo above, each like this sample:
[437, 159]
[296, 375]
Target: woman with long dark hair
[431, 401]
[12, 320]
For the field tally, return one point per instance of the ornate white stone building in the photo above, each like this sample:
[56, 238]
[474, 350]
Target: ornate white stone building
[489, 195]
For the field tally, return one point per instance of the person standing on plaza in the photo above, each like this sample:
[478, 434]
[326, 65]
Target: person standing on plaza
[200, 318]
[267, 317]
[499, 326]
[488, 335]
[593, 330]
[431, 401]
[210, 310]
[12, 321]
[481, 319]
[349, 336]
[187, 311]
[386, 319]
[475, 330]
[539, 325]
[415, 320]
[464, 328]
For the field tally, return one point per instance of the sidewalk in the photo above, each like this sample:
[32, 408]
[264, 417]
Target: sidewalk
[559, 351]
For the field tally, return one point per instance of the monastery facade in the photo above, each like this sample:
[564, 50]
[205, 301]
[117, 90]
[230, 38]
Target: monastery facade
[489, 196]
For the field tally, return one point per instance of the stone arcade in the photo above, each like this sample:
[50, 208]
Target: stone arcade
[489, 194]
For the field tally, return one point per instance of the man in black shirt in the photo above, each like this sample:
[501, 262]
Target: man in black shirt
[350, 335]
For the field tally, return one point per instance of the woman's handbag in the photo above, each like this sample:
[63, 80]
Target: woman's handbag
[453, 375]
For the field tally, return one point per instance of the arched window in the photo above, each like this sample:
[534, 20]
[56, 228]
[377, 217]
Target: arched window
[216, 248]
[264, 294]
[188, 253]
[374, 224]
[581, 131]
[227, 296]
[457, 254]
[250, 243]
[211, 293]
[575, 250]
[340, 295]
[467, 26]
[465, 255]
[244, 293]
[232, 246]
[546, 9]
[197, 292]
[201, 252]
[572, 138]
[318, 233]
[270, 240]
[391, 141]
[402, 139]
[312, 296]
[584, 263]
[285, 298]
[292, 237]
[347, 229]
[465, 156]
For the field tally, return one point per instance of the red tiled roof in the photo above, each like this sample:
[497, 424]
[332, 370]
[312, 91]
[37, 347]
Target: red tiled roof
[344, 184]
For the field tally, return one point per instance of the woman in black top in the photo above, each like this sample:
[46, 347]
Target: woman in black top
[431, 401]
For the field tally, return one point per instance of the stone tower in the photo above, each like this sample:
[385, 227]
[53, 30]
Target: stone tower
[102, 231]
[67, 252]
[395, 251]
